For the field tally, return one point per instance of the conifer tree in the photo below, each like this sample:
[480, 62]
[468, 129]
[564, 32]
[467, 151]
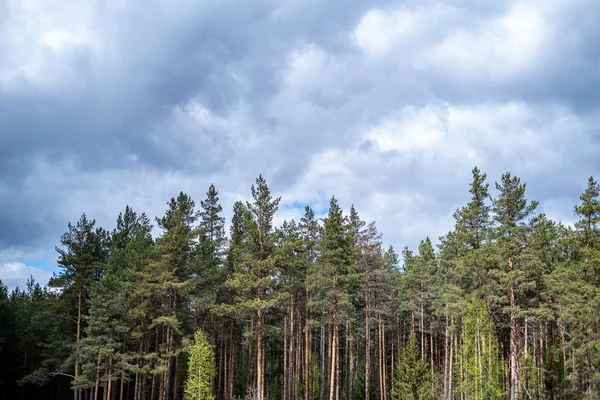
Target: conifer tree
[170, 283]
[254, 273]
[412, 377]
[82, 261]
[512, 213]
[331, 280]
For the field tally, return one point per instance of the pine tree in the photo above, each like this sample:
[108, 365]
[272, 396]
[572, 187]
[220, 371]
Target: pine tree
[583, 297]
[201, 369]
[82, 261]
[512, 213]
[254, 274]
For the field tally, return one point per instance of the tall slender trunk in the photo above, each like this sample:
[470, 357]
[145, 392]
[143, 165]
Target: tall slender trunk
[322, 383]
[446, 359]
[380, 353]
[285, 357]
[97, 385]
[332, 371]
[176, 379]
[431, 352]
[298, 347]
[514, 361]
[307, 386]
[422, 332]
[259, 357]
[77, 392]
[351, 381]
[110, 381]
[367, 345]
[250, 361]
[231, 361]
[451, 361]
[291, 374]
[337, 360]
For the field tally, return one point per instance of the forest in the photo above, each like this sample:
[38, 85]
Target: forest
[504, 306]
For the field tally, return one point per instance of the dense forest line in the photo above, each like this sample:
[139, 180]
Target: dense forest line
[506, 307]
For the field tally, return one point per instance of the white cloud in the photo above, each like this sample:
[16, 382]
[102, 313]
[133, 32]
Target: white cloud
[415, 129]
[14, 274]
[379, 31]
[499, 48]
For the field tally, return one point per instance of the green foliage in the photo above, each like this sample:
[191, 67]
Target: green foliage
[335, 273]
[201, 369]
[412, 378]
[479, 355]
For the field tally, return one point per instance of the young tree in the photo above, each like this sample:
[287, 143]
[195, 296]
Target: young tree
[482, 376]
[201, 369]
[412, 377]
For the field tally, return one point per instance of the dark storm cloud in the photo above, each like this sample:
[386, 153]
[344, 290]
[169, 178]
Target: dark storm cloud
[384, 103]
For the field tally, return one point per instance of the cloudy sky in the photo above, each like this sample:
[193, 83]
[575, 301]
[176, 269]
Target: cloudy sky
[385, 104]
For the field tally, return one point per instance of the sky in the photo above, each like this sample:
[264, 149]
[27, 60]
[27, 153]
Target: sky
[387, 105]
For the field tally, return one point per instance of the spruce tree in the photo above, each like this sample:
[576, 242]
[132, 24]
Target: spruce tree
[331, 281]
[412, 377]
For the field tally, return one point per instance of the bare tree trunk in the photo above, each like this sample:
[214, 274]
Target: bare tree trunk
[259, 357]
[422, 332]
[231, 362]
[453, 341]
[298, 352]
[291, 374]
[307, 386]
[285, 357]
[514, 362]
[446, 359]
[249, 364]
[337, 361]
[367, 345]
[332, 359]
[176, 379]
[351, 381]
[110, 386]
[431, 353]
[97, 382]
[77, 392]
[380, 357]
[322, 385]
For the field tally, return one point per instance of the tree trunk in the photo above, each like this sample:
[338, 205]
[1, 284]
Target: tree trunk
[514, 362]
[231, 361]
[322, 383]
[249, 364]
[97, 385]
[367, 345]
[259, 357]
[285, 357]
[77, 392]
[307, 386]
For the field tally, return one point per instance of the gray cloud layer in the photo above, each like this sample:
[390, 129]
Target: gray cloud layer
[384, 104]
